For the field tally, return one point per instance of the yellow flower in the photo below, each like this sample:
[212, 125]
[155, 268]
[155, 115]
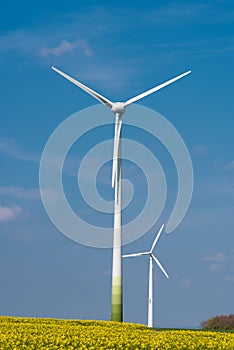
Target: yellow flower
[51, 334]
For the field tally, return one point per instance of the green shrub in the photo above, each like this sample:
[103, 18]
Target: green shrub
[221, 322]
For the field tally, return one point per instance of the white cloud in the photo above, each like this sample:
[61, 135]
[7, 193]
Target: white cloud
[174, 11]
[64, 47]
[230, 165]
[216, 262]
[20, 192]
[29, 193]
[186, 282]
[11, 149]
[217, 258]
[205, 11]
[200, 150]
[230, 278]
[20, 41]
[42, 44]
[9, 214]
[215, 267]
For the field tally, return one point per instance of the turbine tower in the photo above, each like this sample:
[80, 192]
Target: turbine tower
[118, 108]
[151, 258]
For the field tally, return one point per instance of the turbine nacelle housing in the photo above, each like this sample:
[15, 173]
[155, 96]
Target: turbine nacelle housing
[118, 108]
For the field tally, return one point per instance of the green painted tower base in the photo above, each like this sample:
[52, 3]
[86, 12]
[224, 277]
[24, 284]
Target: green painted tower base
[117, 300]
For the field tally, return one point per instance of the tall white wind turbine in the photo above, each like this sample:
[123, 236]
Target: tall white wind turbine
[151, 258]
[118, 108]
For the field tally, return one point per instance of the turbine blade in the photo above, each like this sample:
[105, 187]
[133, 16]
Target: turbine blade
[159, 265]
[118, 125]
[134, 254]
[156, 88]
[157, 237]
[91, 92]
[114, 163]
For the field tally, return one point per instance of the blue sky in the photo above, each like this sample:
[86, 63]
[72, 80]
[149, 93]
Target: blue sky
[120, 51]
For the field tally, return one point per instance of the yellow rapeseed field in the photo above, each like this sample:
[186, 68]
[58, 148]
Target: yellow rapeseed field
[51, 334]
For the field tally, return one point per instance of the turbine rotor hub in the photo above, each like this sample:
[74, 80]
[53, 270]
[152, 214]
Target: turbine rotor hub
[118, 108]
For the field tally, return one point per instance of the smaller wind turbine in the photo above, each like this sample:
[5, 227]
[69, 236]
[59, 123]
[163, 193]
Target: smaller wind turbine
[152, 257]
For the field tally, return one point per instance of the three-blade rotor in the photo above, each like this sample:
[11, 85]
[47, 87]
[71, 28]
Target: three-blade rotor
[111, 104]
[118, 109]
[150, 253]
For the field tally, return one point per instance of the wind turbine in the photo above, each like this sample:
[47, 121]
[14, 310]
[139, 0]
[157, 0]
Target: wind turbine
[118, 108]
[151, 258]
